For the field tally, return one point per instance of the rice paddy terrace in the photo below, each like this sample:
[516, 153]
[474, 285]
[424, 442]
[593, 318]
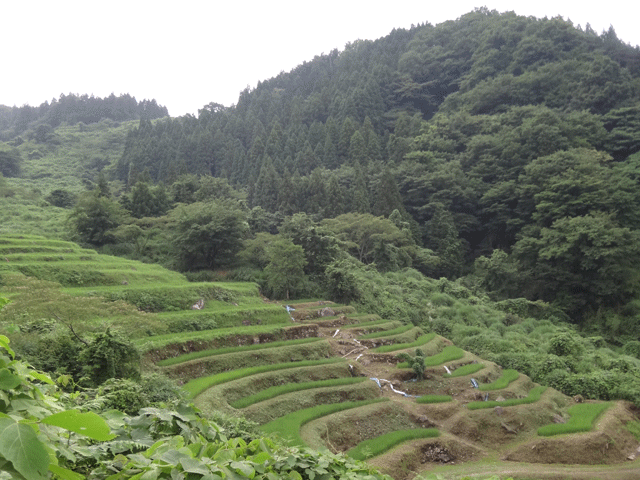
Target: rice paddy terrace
[321, 374]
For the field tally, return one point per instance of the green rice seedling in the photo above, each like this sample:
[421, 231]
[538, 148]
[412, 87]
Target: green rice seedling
[277, 390]
[377, 325]
[223, 350]
[156, 297]
[583, 416]
[448, 354]
[465, 370]
[434, 399]
[388, 333]
[234, 360]
[505, 379]
[534, 396]
[421, 340]
[377, 446]
[199, 385]
[225, 315]
[289, 425]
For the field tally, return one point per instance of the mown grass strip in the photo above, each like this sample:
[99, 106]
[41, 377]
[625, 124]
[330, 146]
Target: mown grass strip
[465, 370]
[583, 416]
[221, 351]
[388, 333]
[291, 423]
[421, 340]
[377, 446]
[505, 379]
[534, 396]
[449, 354]
[434, 399]
[199, 385]
[277, 390]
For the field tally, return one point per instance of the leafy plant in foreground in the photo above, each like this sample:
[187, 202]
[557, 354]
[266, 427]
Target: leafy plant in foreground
[31, 422]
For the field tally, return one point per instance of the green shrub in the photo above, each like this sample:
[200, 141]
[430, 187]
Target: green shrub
[583, 415]
[565, 344]
[159, 389]
[109, 356]
[121, 394]
[632, 348]
[450, 353]
[376, 446]
[192, 325]
[442, 300]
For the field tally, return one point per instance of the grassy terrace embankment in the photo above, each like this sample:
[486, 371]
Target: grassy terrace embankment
[307, 378]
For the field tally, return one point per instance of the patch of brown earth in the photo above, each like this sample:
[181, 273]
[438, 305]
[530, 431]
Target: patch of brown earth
[412, 458]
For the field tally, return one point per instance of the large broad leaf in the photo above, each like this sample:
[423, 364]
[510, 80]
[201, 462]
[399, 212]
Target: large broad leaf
[20, 445]
[8, 380]
[64, 473]
[41, 376]
[4, 343]
[88, 424]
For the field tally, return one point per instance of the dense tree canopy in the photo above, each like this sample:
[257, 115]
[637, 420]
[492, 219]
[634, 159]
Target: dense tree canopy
[207, 235]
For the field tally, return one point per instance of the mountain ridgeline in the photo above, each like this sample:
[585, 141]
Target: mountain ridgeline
[72, 109]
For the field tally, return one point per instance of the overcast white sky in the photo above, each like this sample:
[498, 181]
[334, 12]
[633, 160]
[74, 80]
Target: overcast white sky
[188, 53]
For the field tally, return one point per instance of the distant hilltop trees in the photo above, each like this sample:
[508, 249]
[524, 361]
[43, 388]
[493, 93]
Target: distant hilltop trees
[73, 108]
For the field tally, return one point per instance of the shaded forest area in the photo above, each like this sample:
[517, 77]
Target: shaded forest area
[507, 144]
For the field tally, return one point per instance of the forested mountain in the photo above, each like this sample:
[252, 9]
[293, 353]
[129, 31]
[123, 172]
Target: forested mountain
[494, 135]
[73, 109]
[478, 179]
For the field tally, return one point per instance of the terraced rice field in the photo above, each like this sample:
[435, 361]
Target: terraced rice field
[322, 375]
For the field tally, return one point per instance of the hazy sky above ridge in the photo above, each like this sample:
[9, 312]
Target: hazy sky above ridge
[189, 53]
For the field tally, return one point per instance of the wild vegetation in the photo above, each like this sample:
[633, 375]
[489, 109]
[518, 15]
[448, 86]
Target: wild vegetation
[470, 188]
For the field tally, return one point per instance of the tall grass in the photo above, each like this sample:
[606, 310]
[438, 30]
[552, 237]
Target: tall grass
[198, 385]
[289, 425]
[223, 350]
[421, 340]
[583, 416]
[376, 446]
[277, 390]
[388, 333]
